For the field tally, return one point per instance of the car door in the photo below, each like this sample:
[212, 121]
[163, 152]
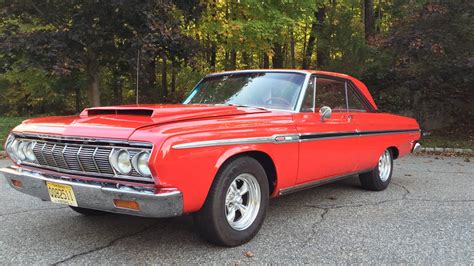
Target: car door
[326, 146]
[369, 147]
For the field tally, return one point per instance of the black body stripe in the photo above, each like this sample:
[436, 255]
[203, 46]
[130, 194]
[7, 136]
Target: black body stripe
[354, 133]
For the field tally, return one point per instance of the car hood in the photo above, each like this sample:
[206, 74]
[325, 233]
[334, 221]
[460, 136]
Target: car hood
[119, 122]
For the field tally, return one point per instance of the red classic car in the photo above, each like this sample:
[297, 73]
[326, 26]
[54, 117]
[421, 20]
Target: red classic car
[239, 139]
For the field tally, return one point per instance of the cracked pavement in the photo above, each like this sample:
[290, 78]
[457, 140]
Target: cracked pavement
[425, 216]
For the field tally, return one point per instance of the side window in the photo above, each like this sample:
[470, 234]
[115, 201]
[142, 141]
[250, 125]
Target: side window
[331, 93]
[308, 99]
[354, 102]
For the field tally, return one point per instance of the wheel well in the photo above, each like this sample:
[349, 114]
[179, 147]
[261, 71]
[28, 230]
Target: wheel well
[267, 163]
[394, 151]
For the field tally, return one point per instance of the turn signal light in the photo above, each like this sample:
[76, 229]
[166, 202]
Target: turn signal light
[127, 204]
[17, 183]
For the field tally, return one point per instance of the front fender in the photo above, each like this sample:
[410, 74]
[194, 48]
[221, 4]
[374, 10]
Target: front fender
[193, 170]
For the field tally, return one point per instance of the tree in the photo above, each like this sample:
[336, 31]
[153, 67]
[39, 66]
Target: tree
[369, 25]
[87, 36]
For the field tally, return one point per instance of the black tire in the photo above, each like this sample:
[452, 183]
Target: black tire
[372, 180]
[88, 212]
[211, 220]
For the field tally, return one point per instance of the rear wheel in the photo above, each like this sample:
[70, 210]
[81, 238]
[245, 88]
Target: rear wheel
[379, 178]
[88, 212]
[236, 204]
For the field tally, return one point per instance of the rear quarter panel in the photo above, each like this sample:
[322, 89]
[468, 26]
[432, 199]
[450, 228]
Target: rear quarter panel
[372, 146]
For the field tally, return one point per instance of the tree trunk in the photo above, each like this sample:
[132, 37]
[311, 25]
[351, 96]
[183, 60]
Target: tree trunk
[213, 57]
[92, 72]
[320, 51]
[277, 59]
[246, 60]
[292, 49]
[378, 27]
[309, 46]
[303, 51]
[147, 77]
[117, 88]
[266, 61]
[78, 99]
[164, 81]
[316, 27]
[173, 75]
[368, 19]
[226, 61]
[233, 59]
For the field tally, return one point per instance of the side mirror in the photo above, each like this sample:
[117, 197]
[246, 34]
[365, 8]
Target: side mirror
[325, 113]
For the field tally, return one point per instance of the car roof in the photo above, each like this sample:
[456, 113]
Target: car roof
[361, 86]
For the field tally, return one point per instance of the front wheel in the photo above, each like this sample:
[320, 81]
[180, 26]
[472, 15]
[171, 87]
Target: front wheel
[379, 178]
[236, 204]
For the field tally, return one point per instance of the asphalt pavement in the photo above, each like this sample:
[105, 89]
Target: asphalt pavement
[425, 216]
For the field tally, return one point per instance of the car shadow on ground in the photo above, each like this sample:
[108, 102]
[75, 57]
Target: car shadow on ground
[171, 231]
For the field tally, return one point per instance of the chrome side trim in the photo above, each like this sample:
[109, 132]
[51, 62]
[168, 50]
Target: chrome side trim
[320, 182]
[223, 142]
[279, 139]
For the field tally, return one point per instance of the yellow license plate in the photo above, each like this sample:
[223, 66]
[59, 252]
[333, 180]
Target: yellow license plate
[62, 194]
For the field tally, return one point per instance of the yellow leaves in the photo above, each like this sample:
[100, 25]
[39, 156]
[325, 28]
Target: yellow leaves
[249, 254]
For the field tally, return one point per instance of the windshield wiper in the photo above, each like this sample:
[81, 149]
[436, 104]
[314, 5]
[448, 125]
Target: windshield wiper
[246, 106]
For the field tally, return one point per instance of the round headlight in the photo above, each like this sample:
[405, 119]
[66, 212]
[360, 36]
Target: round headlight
[123, 163]
[140, 162]
[12, 148]
[28, 151]
[20, 154]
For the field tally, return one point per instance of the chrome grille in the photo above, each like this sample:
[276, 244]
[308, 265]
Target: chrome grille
[82, 158]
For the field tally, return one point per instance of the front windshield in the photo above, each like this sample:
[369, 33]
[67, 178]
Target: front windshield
[273, 90]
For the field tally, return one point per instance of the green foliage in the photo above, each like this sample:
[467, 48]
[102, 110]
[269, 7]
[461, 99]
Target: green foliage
[31, 90]
[60, 57]
[7, 124]
[430, 74]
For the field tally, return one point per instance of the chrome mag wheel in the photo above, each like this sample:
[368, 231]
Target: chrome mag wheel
[385, 165]
[242, 201]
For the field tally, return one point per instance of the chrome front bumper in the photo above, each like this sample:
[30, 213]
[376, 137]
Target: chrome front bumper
[92, 196]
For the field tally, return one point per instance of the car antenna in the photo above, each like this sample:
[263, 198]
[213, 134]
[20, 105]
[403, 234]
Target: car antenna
[138, 71]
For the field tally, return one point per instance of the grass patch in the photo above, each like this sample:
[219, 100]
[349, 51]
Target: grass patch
[6, 124]
[450, 141]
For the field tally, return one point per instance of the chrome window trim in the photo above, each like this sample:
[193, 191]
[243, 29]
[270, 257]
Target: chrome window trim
[289, 138]
[299, 100]
[299, 103]
[258, 71]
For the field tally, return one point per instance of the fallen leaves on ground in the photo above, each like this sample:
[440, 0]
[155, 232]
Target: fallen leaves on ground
[249, 254]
